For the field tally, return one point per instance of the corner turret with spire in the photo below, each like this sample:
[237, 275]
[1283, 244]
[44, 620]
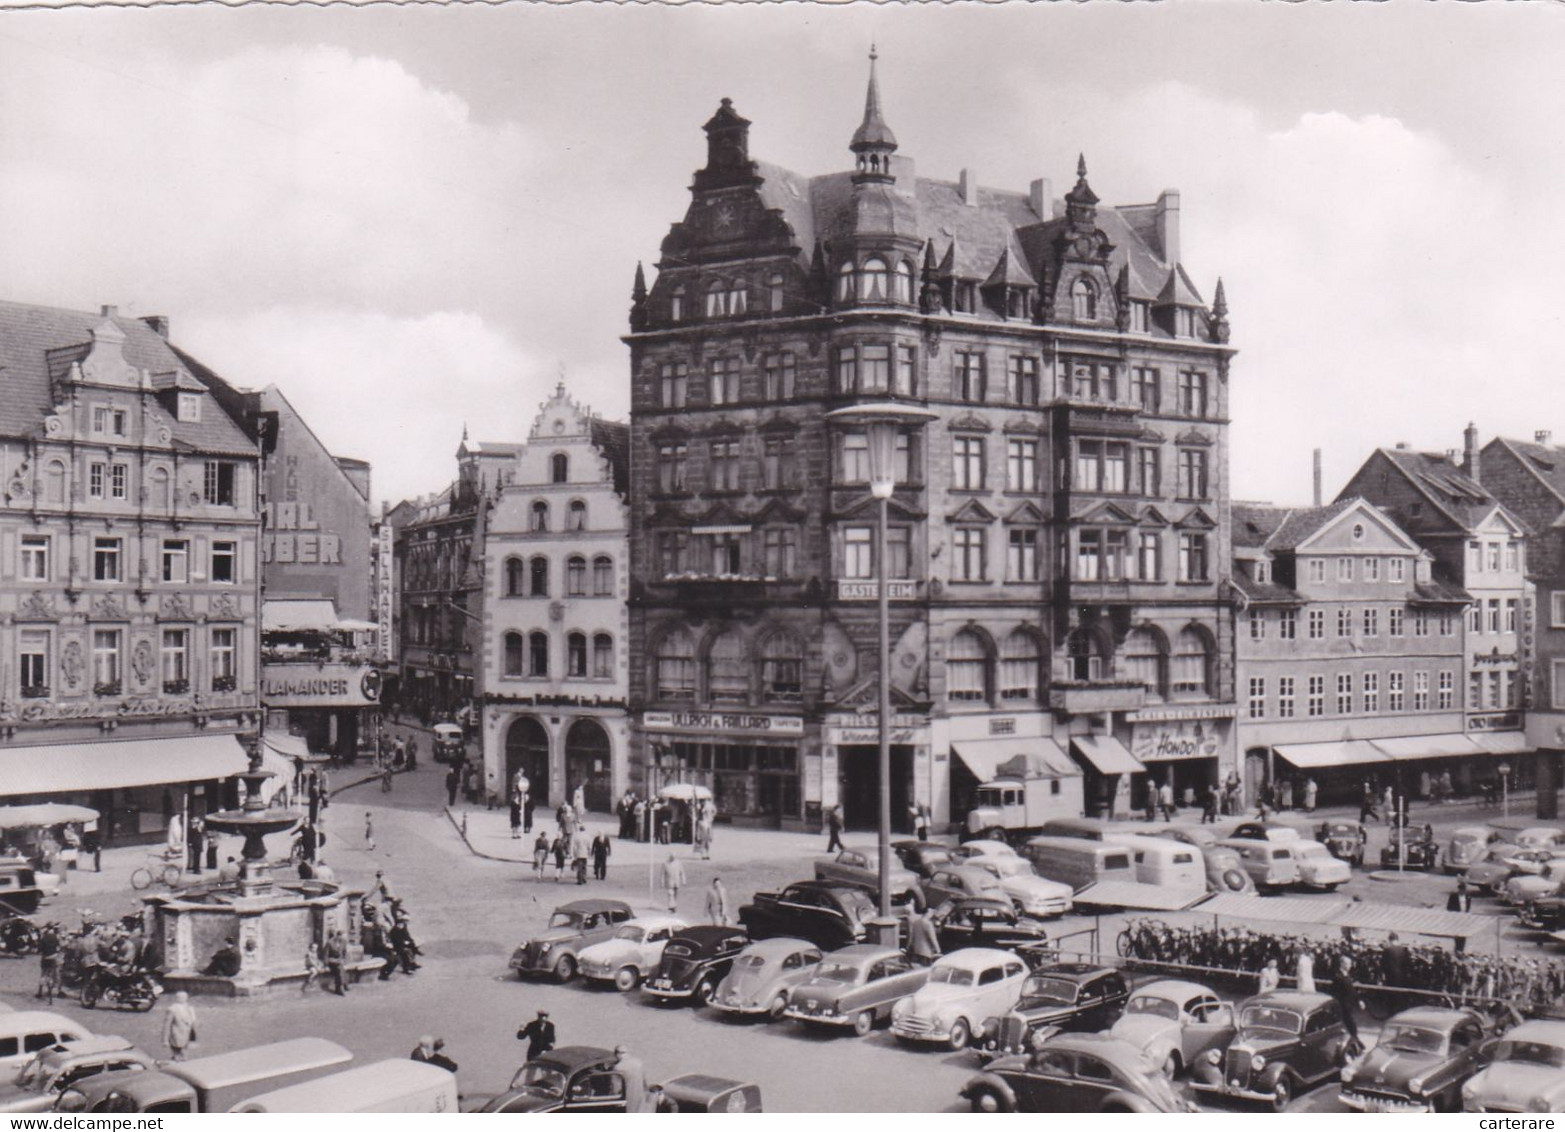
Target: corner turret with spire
[873, 142]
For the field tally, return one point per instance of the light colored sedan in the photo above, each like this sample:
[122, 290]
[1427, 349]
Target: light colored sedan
[1317, 867]
[966, 851]
[763, 974]
[1536, 886]
[955, 882]
[1173, 1022]
[855, 986]
[632, 953]
[1032, 894]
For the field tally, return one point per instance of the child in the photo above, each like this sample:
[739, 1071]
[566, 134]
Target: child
[369, 832]
[540, 854]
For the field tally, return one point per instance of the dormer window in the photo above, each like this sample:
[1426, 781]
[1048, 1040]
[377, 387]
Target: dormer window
[1084, 300]
[1140, 317]
[1263, 571]
[774, 292]
[845, 283]
[1184, 322]
[904, 282]
[966, 297]
[874, 282]
[189, 407]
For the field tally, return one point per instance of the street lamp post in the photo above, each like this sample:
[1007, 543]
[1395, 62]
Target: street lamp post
[882, 424]
[1505, 789]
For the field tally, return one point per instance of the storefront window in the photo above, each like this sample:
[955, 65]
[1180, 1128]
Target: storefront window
[747, 780]
[728, 670]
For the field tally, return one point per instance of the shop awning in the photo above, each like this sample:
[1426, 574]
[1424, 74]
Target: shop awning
[71, 768]
[295, 615]
[282, 769]
[1418, 921]
[1443, 746]
[1106, 753]
[986, 757]
[1331, 912]
[1347, 752]
[1501, 742]
[43, 814]
[286, 745]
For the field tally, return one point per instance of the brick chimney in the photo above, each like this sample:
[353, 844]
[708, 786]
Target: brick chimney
[1470, 455]
[1317, 477]
[108, 311]
[968, 183]
[1168, 224]
[1043, 198]
[1542, 436]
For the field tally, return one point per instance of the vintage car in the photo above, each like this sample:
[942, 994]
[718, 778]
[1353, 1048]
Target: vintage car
[1286, 1042]
[1546, 914]
[1318, 868]
[20, 891]
[43, 1078]
[1055, 997]
[964, 988]
[856, 986]
[1225, 872]
[985, 921]
[860, 866]
[1524, 1071]
[921, 857]
[1413, 846]
[1489, 876]
[1265, 831]
[1174, 1022]
[1541, 837]
[981, 847]
[957, 881]
[763, 974]
[694, 962]
[699, 1092]
[1419, 1063]
[1074, 1073]
[1345, 840]
[449, 743]
[1532, 862]
[1467, 846]
[571, 928]
[1524, 888]
[626, 957]
[828, 915]
[1031, 894]
[567, 1079]
[25, 1032]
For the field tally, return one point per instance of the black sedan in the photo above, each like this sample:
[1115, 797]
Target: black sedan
[1345, 840]
[1419, 1064]
[985, 921]
[921, 857]
[1055, 997]
[828, 915]
[1074, 1073]
[568, 1079]
[694, 962]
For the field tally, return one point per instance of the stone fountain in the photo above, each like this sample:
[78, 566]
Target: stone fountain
[271, 922]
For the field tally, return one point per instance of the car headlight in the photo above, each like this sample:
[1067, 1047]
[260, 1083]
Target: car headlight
[71, 1100]
[1539, 1104]
[1347, 1075]
[1415, 1085]
[1213, 1057]
[1257, 1063]
[901, 1008]
[545, 949]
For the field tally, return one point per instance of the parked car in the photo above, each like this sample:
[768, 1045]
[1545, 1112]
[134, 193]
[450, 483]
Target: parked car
[763, 974]
[1524, 1071]
[1318, 868]
[1265, 831]
[631, 953]
[43, 1078]
[1270, 864]
[828, 915]
[1467, 846]
[1532, 862]
[1419, 1064]
[1344, 840]
[954, 882]
[567, 1079]
[571, 928]
[1074, 1073]
[1523, 889]
[24, 1033]
[981, 847]
[1544, 915]
[701, 1092]
[1225, 872]
[860, 866]
[1055, 997]
[964, 988]
[1286, 1042]
[1415, 844]
[1541, 837]
[1174, 1022]
[448, 742]
[921, 857]
[1030, 893]
[985, 921]
[1488, 876]
[21, 887]
[694, 962]
[856, 986]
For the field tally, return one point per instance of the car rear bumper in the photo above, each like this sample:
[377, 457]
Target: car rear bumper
[831, 1018]
[1377, 1102]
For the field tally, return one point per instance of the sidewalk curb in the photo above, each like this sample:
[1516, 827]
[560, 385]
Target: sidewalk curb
[335, 790]
[462, 833]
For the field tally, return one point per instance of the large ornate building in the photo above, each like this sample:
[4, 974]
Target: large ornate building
[1058, 540]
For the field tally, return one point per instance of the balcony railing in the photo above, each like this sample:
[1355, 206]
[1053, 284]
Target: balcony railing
[106, 688]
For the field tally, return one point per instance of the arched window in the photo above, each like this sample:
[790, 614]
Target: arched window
[603, 576]
[1084, 299]
[576, 654]
[676, 304]
[560, 468]
[845, 283]
[602, 657]
[714, 299]
[738, 297]
[159, 497]
[513, 654]
[1088, 661]
[873, 282]
[782, 669]
[676, 667]
[515, 574]
[576, 516]
[575, 576]
[538, 575]
[904, 282]
[967, 668]
[728, 670]
[54, 483]
[540, 515]
[1020, 665]
[774, 292]
[1144, 661]
[1188, 672]
[538, 654]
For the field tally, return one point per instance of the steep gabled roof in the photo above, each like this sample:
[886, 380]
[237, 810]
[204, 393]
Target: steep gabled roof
[1545, 461]
[1303, 522]
[1453, 492]
[1255, 523]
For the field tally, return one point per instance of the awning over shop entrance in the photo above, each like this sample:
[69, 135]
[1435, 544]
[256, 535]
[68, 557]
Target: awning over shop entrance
[985, 757]
[1428, 747]
[1106, 753]
[1313, 756]
[79, 767]
[286, 745]
[43, 814]
[1501, 742]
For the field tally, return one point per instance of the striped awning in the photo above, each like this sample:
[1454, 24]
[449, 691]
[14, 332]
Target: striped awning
[1443, 746]
[1106, 753]
[1501, 742]
[1141, 897]
[76, 768]
[1346, 752]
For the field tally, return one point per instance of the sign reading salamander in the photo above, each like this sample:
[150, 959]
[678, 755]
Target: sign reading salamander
[319, 685]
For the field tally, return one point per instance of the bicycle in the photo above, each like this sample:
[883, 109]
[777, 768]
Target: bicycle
[158, 870]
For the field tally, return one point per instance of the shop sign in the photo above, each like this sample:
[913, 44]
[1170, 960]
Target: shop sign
[872, 719]
[860, 736]
[717, 721]
[898, 589]
[319, 685]
[386, 596]
[1181, 740]
[1498, 721]
[1180, 714]
[40, 711]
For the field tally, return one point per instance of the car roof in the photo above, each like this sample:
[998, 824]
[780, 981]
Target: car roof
[1081, 971]
[910, 844]
[594, 905]
[1099, 1045]
[1432, 1017]
[983, 845]
[778, 946]
[1301, 1001]
[982, 902]
[1173, 989]
[863, 954]
[972, 957]
[1472, 830]
[97, 1043]
[1544, 1030]
[659, 921]
[822, 886]
[572, 1058]
[39, 1019]
[707, 934]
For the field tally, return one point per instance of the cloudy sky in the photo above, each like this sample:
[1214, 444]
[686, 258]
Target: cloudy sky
[414, 218]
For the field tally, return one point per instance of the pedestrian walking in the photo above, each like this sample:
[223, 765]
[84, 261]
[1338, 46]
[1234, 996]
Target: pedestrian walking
[602, 847]
[1151, 804]
[1304, 973]
[403, 946]
[453, 784]
[179, 1029]
[579, 800]
[1388, 796]
[336, 958]
[527, 812]
[631, 1071]
[369, 831]
[1165, 799]
[540, 854]
[717, 903]
[1393, 962]
[923, 944]
[93, 844]
[581, 849]
[516, 817]
[1209, 805]
[560, 849]
[385, 777]
[834, 829]
[412, 752]
[1271, 977]
[538, 1034]
[1311, 790]
[673, 880]
[1346, 994]
[48, 963]
[1459, 901]
[1367, 804]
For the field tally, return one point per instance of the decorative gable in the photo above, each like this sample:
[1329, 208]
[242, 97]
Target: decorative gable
[1027, 513]
[1194, 436]
[971, 512]
[1196, 519]
[105, 364]
[969, 422]
[1105, 511]
[1151, 516]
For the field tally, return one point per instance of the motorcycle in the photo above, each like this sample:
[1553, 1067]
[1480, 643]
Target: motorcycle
[134, 990]
[18, 937]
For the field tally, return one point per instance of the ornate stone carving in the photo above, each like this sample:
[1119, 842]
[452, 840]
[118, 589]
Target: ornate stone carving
[175, 607]
[71, 663]
[142, 662]
[109, 608]
[36, 607]
[20, 489]
[224, 606]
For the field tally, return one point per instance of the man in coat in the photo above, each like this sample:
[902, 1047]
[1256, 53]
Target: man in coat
[581, 849]
[538, 1034]
[923, 945]
[602, 846]
[673, 879]
[336, 959]
[180, 1030]
[634, 1074]
[717, 903]
[834, 829]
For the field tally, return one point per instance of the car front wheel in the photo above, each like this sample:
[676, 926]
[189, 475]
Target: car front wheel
[986, 1098]
[775, 1010]
[1282, 1094]
[961, 1035]
[1171, 1064]
[565, 969]
[626, 979]
[706, 991]
[863, 1023]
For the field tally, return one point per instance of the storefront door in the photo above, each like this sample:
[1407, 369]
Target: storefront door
[860, 787]
[527, 750]
[589, 764]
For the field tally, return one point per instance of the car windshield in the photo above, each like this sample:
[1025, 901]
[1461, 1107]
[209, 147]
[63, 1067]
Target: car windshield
[1534, 1053]
[956, 976]
[1261, 1017]
[679, 947]
[1050, 990]
[1310, 851]
[633, 932]
[1151, 1004]
[1009, 866]
[750, 962]
[541, 1079]
[836, 973]
[565, 920]
[1412, 1039]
